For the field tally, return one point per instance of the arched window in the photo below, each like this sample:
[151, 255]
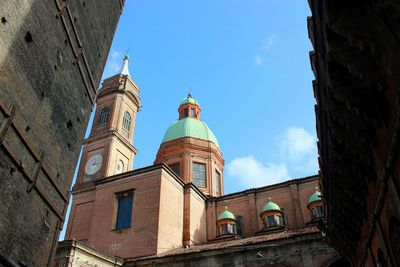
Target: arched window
[104, 116]
[126, 122]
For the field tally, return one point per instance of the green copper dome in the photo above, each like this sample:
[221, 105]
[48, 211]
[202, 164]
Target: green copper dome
[190, 99]
[270, 206]
[315, 197]
[226, 215]
[189, 127]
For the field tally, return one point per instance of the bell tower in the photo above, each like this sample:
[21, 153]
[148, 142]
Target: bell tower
[109, 149]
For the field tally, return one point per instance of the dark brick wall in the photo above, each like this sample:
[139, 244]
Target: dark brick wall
[52, 55]
[356, 66]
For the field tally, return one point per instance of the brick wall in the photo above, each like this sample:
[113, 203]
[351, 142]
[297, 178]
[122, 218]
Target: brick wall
[138, 240]
[292, 196]
[51, 61]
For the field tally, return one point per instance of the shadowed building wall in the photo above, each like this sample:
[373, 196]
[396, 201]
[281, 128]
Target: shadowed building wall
[51, 60]
[356, 66]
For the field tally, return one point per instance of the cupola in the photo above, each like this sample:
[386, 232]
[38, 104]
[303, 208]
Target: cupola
[315, 205]
[189, 123]
[191, 150]
[226, 224]
[189, 108]
[272, 215]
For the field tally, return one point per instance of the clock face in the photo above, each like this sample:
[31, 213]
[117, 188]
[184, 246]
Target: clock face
[93, 165]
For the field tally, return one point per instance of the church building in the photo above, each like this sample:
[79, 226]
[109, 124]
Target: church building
[175, 212]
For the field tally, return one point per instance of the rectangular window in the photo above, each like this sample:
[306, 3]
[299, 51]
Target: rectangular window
[185, 113]
[176, 168]
[192, 114]
[217, 182]
[199, 175]
[124, 213]
[239, 224]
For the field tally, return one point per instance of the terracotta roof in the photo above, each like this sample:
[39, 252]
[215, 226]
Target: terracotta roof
[235, 243]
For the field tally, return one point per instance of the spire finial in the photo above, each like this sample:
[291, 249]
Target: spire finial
[190, 93]
[316, 188]
[226, 208]
[269, 199]
[124, 69]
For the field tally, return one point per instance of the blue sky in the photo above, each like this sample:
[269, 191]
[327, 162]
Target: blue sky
[247, 64]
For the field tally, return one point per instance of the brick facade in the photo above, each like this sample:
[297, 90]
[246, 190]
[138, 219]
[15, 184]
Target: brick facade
[171, 217]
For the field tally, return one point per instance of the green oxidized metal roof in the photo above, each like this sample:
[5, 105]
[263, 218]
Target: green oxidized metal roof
[315, 197]
[271, 206]
[189, 127]
[226, 215]
[190, 99]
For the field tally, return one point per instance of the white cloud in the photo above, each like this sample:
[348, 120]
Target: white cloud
[270, 42]
[258, 60]
[298, 154]
[252, 173]
[267, 45]
[298, 143]
[299, 150]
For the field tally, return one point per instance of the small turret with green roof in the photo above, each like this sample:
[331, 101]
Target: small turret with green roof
[272, 215]
[226, 215]
[271, 206]
[316, 196]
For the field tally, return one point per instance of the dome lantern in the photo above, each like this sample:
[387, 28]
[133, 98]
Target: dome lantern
[189, 108]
